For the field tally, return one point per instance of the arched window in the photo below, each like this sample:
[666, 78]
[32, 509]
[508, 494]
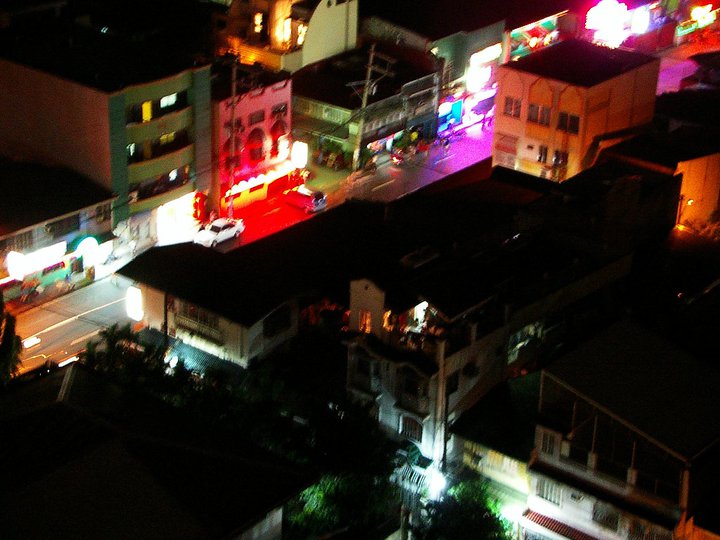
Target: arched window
[278, 129]
[255, 143]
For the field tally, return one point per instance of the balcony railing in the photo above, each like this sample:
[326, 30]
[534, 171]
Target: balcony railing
[207, 332]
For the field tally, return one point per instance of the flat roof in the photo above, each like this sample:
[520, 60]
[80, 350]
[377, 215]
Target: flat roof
[504, 418]
[109, 53]
[669, 149]
[643, 379]
[580, 63]
[436, 20]
[700, 107]
[128, 463]
[328, 80]
[33, 193]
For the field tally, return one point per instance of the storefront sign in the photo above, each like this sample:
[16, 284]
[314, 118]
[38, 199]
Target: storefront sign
[20, 265]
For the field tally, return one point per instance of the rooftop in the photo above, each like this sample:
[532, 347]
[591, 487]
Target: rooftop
[436, 20]
[328, 81]
[700, 107]
[580, 63]
[248, 77]
[95, 458]
[33, 194]
[504, 418]
[633, 373]
[113, 48]
[669, 149]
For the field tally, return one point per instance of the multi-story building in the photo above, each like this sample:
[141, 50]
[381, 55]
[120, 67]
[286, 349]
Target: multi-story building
[132, 117]
[556, 107]
[286, 34]
[55, 228]
[693, 153]
[471, 39]
[327, 100]
[616, 453]
[251, 137]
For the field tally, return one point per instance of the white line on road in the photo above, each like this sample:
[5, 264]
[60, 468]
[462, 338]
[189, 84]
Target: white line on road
[69, 320]
[85, 337]
[382, 185]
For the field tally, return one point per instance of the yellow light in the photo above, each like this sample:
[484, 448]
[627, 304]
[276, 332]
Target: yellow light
[287, 30]
[257, 22]
[698, 13]
[691, 202]
[302, 30]
[134, 303]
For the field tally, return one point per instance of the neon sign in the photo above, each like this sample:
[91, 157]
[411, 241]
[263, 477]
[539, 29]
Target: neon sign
[703, 15]
[19, 265]
[607, 18]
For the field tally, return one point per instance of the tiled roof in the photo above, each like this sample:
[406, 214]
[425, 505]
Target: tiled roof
[556, 526]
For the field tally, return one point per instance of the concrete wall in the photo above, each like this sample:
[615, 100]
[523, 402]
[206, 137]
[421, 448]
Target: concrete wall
[618, 103]
[55, 121]
[332, 29]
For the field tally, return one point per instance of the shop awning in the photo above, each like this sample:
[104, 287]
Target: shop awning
[556, 526]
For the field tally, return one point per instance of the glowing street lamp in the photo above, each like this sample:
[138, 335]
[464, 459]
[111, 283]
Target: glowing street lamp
[436, 483]
[299, 154]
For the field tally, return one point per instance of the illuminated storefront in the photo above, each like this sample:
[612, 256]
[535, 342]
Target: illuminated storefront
[644, 27]
[534, 36]
[701, 16]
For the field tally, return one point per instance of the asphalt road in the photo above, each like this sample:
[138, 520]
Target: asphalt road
[64, 325]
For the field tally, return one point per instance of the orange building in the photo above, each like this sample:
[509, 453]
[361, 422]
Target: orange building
[555, 108]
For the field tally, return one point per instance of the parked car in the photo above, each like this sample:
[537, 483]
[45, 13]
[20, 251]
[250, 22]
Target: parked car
[218, 231]
[306, 199]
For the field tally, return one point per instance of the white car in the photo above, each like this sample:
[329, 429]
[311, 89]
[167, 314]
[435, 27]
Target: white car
[218, 231]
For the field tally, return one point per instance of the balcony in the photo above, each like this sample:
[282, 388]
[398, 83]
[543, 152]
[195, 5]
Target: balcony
[419, 405]
[209, 333]
[364, 383]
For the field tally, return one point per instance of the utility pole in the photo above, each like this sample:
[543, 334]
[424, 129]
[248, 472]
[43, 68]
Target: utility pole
[383, 71]
[233, 97]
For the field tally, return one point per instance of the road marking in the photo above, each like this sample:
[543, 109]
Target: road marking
[382, 185]
[85, 337]
[75, 317]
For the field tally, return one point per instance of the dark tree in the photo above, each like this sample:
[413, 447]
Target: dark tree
[465, 512]
[10, 345]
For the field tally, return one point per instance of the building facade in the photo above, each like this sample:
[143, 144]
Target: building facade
[286, 35]
[148, 143]
[551, 119]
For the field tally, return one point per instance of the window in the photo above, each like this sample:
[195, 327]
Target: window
[167, 138]
[280, 109]
[560, 158]
[542, 153]
[256, 117]
[102, 213]
[168, 101]
[548, 490]
[147, 111]
[453, 382]
[538, 114]
[547, 443]
[606, 515]
[411, 428]
[569, 122]
[512, 107]
[64, 226]
[365, 321]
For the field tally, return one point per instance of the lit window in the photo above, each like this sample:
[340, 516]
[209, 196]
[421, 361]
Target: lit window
[512, 107]
[547, 443]
[172, 175]
[301, 31]
[365, 321]
[168, 101]
[258, 22]
[167, 138]
[147, 111]
[131, 149]
[560, 158]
